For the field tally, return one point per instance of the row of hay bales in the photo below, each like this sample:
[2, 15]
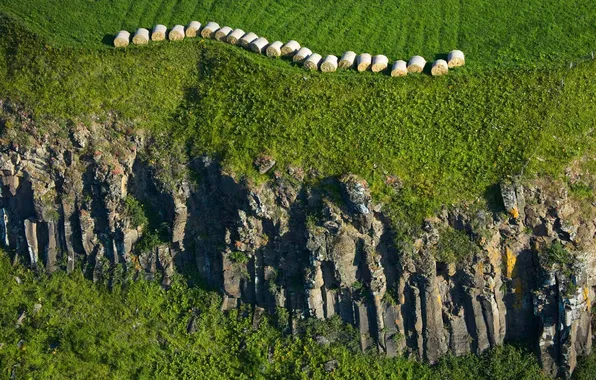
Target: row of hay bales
[299, 54]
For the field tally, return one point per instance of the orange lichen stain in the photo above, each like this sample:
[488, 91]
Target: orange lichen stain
[480, 267]
[586, 294]
[514, 212]
[439, 299]
[510, 261]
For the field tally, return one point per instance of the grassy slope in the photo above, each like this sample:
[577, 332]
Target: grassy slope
[447, 138]
[138, 330]
[497, 33]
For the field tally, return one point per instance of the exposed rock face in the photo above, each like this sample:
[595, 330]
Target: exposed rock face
[284, 244]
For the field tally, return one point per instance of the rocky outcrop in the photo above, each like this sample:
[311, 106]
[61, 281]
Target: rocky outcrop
[317, 251]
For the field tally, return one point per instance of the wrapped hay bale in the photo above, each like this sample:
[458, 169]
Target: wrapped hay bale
[347, 60]
[223, 33]
[274, 49]
[329, 64]
[399, 69]
[416, 64]
[379, 63]
[363, 62]
[248, 39]
[177, 33]
[290, 48]
[122, 39]
[159, 33]
[456, 58]
[440, 67]
[312, 62]
[258, 45]
[234, 37]
[193, 29]
[209, 30]
[141, 37]
[302, 54]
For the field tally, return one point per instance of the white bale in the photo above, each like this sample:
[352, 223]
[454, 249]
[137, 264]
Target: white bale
[274, 49]
[456, 58]
[193, 29]
[347, 60]
[122, 39]
[312, 62]
[379, 63]
[416, 64]
[440, 67]
[159, 33]
[234, 37]
[363, 62]
[329, 64]
[177, 33]
[302, 54]
[248, 39]
[209, 29]
[223, 33]
[258, 45]
[399, 69]
[291, 47]
[141, 37]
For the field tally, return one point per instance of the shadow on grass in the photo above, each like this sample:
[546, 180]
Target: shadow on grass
[108, 40]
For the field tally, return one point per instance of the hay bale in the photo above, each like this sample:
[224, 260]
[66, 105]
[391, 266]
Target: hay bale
[141, 37]
[312, 62]
[399, 69]
[122, 39]
[290, 48]
[248, 39]
[223, 33]
[363, 62]
[159, 33]
[456, 58]
[274, 49]
[329, 64]
[347, 60]
[440, 67]
[209, 30]
[379, 63]
[234, 37]
[193, 29]
[416, 64]
[302, 54]
[258, 45]
[177, 33]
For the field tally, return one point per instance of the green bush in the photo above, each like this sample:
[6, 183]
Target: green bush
[455, 246]
[135, 212]
[239, 257]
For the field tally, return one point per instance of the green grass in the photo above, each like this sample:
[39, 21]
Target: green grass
[504, 33]
[448, 139]
[139, 330]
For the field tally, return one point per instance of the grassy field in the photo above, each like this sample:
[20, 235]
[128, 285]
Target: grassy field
[503, 33]
[447, 138]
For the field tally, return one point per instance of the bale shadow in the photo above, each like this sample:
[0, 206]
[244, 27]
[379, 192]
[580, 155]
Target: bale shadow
[108, 40]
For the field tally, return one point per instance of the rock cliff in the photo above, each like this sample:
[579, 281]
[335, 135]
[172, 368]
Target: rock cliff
[470, 279]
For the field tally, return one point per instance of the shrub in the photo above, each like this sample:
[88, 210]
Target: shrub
[135, 212]
[455, 246]
[239, 257]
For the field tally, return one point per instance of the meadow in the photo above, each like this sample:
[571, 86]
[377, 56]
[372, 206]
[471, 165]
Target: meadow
[503, 33]
[448, 139]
